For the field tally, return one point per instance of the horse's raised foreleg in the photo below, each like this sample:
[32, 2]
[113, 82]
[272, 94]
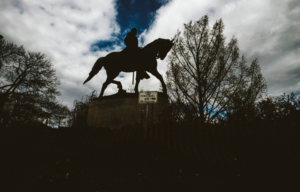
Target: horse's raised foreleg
[158, 76]
[118, 83]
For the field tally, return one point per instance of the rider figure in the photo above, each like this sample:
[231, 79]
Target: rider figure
[131, 40]
[132, 49]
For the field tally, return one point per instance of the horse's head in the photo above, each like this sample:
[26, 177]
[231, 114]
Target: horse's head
[165, 45]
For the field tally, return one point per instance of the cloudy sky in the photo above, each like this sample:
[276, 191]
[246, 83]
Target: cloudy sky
[74, 33]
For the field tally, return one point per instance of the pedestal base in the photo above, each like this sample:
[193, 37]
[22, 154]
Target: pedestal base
[114, 111]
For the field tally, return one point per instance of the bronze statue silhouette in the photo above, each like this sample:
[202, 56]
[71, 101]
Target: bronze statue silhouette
[131, 42]
[133, 59]
[132, 50]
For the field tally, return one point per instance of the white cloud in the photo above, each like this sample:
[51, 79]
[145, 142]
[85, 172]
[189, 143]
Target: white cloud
[269, 30]
[64, 31]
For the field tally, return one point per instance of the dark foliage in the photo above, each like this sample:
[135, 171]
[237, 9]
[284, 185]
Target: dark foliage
[78, 115]
[177, 156]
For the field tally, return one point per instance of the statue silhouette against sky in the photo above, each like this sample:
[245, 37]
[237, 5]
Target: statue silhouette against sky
[131, 59]
[131, 41]
[132, 50]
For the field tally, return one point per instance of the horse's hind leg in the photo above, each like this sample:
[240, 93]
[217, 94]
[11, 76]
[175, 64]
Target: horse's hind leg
[109, 79]
[137, 81]
[155, 73]
[103, 88]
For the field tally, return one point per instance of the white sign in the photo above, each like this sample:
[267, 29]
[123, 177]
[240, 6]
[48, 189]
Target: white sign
[148, 97]
[9, 106]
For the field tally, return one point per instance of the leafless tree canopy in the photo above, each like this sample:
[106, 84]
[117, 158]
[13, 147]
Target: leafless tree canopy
[9, 52]
[78, 115]
[207, 76]
[27, 77]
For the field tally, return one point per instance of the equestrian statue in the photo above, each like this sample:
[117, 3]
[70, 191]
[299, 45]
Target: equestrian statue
[131, 59]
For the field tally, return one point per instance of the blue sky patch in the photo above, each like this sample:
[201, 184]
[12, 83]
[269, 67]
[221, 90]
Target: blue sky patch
[135, 13]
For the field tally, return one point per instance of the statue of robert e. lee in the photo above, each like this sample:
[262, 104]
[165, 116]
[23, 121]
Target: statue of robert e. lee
[132, 59]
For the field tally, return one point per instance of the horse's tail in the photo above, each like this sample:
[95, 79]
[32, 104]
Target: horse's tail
[96, 68]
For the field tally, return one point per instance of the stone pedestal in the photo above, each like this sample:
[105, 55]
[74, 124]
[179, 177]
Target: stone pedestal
[114, 111]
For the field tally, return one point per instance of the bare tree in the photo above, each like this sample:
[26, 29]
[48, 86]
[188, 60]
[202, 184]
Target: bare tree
[288, 105]
[78, 115]
[283, 108]
[27, 77]
[59, 114]
[9, 52]
[208, 76]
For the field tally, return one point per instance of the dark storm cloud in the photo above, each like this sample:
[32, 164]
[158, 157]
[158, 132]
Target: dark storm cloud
[294, 72]
[280, 59]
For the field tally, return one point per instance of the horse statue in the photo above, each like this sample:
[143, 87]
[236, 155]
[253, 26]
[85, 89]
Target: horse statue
[145, 60]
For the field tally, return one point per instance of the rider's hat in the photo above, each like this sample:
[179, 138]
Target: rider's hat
[134, 30]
